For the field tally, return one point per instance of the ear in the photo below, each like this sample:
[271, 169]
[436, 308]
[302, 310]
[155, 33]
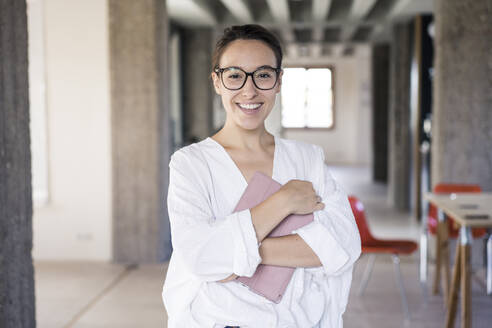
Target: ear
[216, 82]
[279, 82]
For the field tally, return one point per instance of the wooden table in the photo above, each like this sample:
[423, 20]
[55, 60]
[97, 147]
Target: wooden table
[460, 207]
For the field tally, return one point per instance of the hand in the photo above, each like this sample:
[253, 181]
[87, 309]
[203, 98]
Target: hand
[301, 198]
[230, 278]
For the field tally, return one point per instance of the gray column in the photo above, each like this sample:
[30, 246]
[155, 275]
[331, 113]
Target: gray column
[197, 85]
[16, 268]
[462, 108]
[399, 118]
[140, 133]
[380, 98]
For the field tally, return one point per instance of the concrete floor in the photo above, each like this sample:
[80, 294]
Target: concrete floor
[94, 294]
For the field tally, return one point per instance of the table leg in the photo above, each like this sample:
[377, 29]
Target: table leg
[445, 259]
[465, 240]
[455, 284]
[424, 244]
[489, 263]
[437, 273]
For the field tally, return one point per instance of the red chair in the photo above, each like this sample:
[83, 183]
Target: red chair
[453, 228]
[373, 246]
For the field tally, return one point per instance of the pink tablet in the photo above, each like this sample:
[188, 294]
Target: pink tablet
[268, 280]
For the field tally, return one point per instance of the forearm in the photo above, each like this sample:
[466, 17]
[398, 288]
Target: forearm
[291, 251]
[268, 214]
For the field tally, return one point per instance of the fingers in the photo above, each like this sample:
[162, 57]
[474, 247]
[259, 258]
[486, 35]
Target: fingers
[319, 206]
[230, 278]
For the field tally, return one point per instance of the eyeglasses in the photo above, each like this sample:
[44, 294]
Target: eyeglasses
[234, 78]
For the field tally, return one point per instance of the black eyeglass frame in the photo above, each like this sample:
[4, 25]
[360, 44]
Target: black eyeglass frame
[221, 70]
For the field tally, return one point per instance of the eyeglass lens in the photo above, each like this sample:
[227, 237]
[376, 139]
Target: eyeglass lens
[263, 78]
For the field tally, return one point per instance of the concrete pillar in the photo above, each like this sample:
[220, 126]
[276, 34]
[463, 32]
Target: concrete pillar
[380, 98]
[140, 132]
[399, 118]
[462, 104]
[197, 46]
[16, 269]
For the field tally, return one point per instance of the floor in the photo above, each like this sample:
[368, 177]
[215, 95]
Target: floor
[94, 294]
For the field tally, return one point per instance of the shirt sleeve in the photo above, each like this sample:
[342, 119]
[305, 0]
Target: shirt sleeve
[333, 235]
[212, 248]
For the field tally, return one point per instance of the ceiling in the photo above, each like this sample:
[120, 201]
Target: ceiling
[306, 27]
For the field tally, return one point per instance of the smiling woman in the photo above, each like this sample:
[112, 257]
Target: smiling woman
[214, 245]
[247, 101]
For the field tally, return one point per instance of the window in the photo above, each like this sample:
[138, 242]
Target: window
[307, 98]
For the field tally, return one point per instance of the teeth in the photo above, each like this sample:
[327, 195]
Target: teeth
[249, 106]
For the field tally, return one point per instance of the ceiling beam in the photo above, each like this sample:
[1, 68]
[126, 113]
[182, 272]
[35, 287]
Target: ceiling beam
[348, 32]
[191, 12]
[317, 37]
[359, 9]
[279, 10]
[239, 9]
[319, 13]
[318, 34]
[280, 13]
[397, 10]
[320, 9]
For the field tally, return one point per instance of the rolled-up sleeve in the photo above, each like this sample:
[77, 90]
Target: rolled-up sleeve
[333, 235]
[212, 248]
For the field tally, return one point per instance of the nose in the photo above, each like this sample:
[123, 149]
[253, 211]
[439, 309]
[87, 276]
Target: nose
[249, 89]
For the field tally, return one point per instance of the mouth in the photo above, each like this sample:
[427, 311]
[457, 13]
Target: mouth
[249, 108]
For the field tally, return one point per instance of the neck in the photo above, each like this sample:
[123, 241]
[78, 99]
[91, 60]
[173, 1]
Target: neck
[232, 136]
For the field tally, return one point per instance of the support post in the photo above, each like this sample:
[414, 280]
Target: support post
[17, 306]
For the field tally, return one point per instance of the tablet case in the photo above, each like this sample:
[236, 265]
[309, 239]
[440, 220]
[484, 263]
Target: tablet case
[268, 280]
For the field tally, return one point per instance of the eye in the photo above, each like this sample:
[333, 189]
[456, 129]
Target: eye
[233, 74]
[264, 74]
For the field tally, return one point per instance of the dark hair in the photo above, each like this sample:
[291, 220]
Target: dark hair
[246, 32]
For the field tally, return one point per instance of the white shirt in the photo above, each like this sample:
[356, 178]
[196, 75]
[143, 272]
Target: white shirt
[210, 242]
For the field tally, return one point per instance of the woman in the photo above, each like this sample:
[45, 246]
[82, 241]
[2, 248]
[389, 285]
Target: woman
[212, 245]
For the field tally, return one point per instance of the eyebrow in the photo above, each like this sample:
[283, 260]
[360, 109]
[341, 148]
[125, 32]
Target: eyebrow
[259, 67]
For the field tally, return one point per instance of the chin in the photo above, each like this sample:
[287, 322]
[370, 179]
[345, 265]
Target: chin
[250, 125]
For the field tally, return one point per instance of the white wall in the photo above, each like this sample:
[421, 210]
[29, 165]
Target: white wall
[37, 102]
[350, 141]
[76, 221]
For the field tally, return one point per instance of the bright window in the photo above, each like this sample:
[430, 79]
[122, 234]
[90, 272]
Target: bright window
[307, 98]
